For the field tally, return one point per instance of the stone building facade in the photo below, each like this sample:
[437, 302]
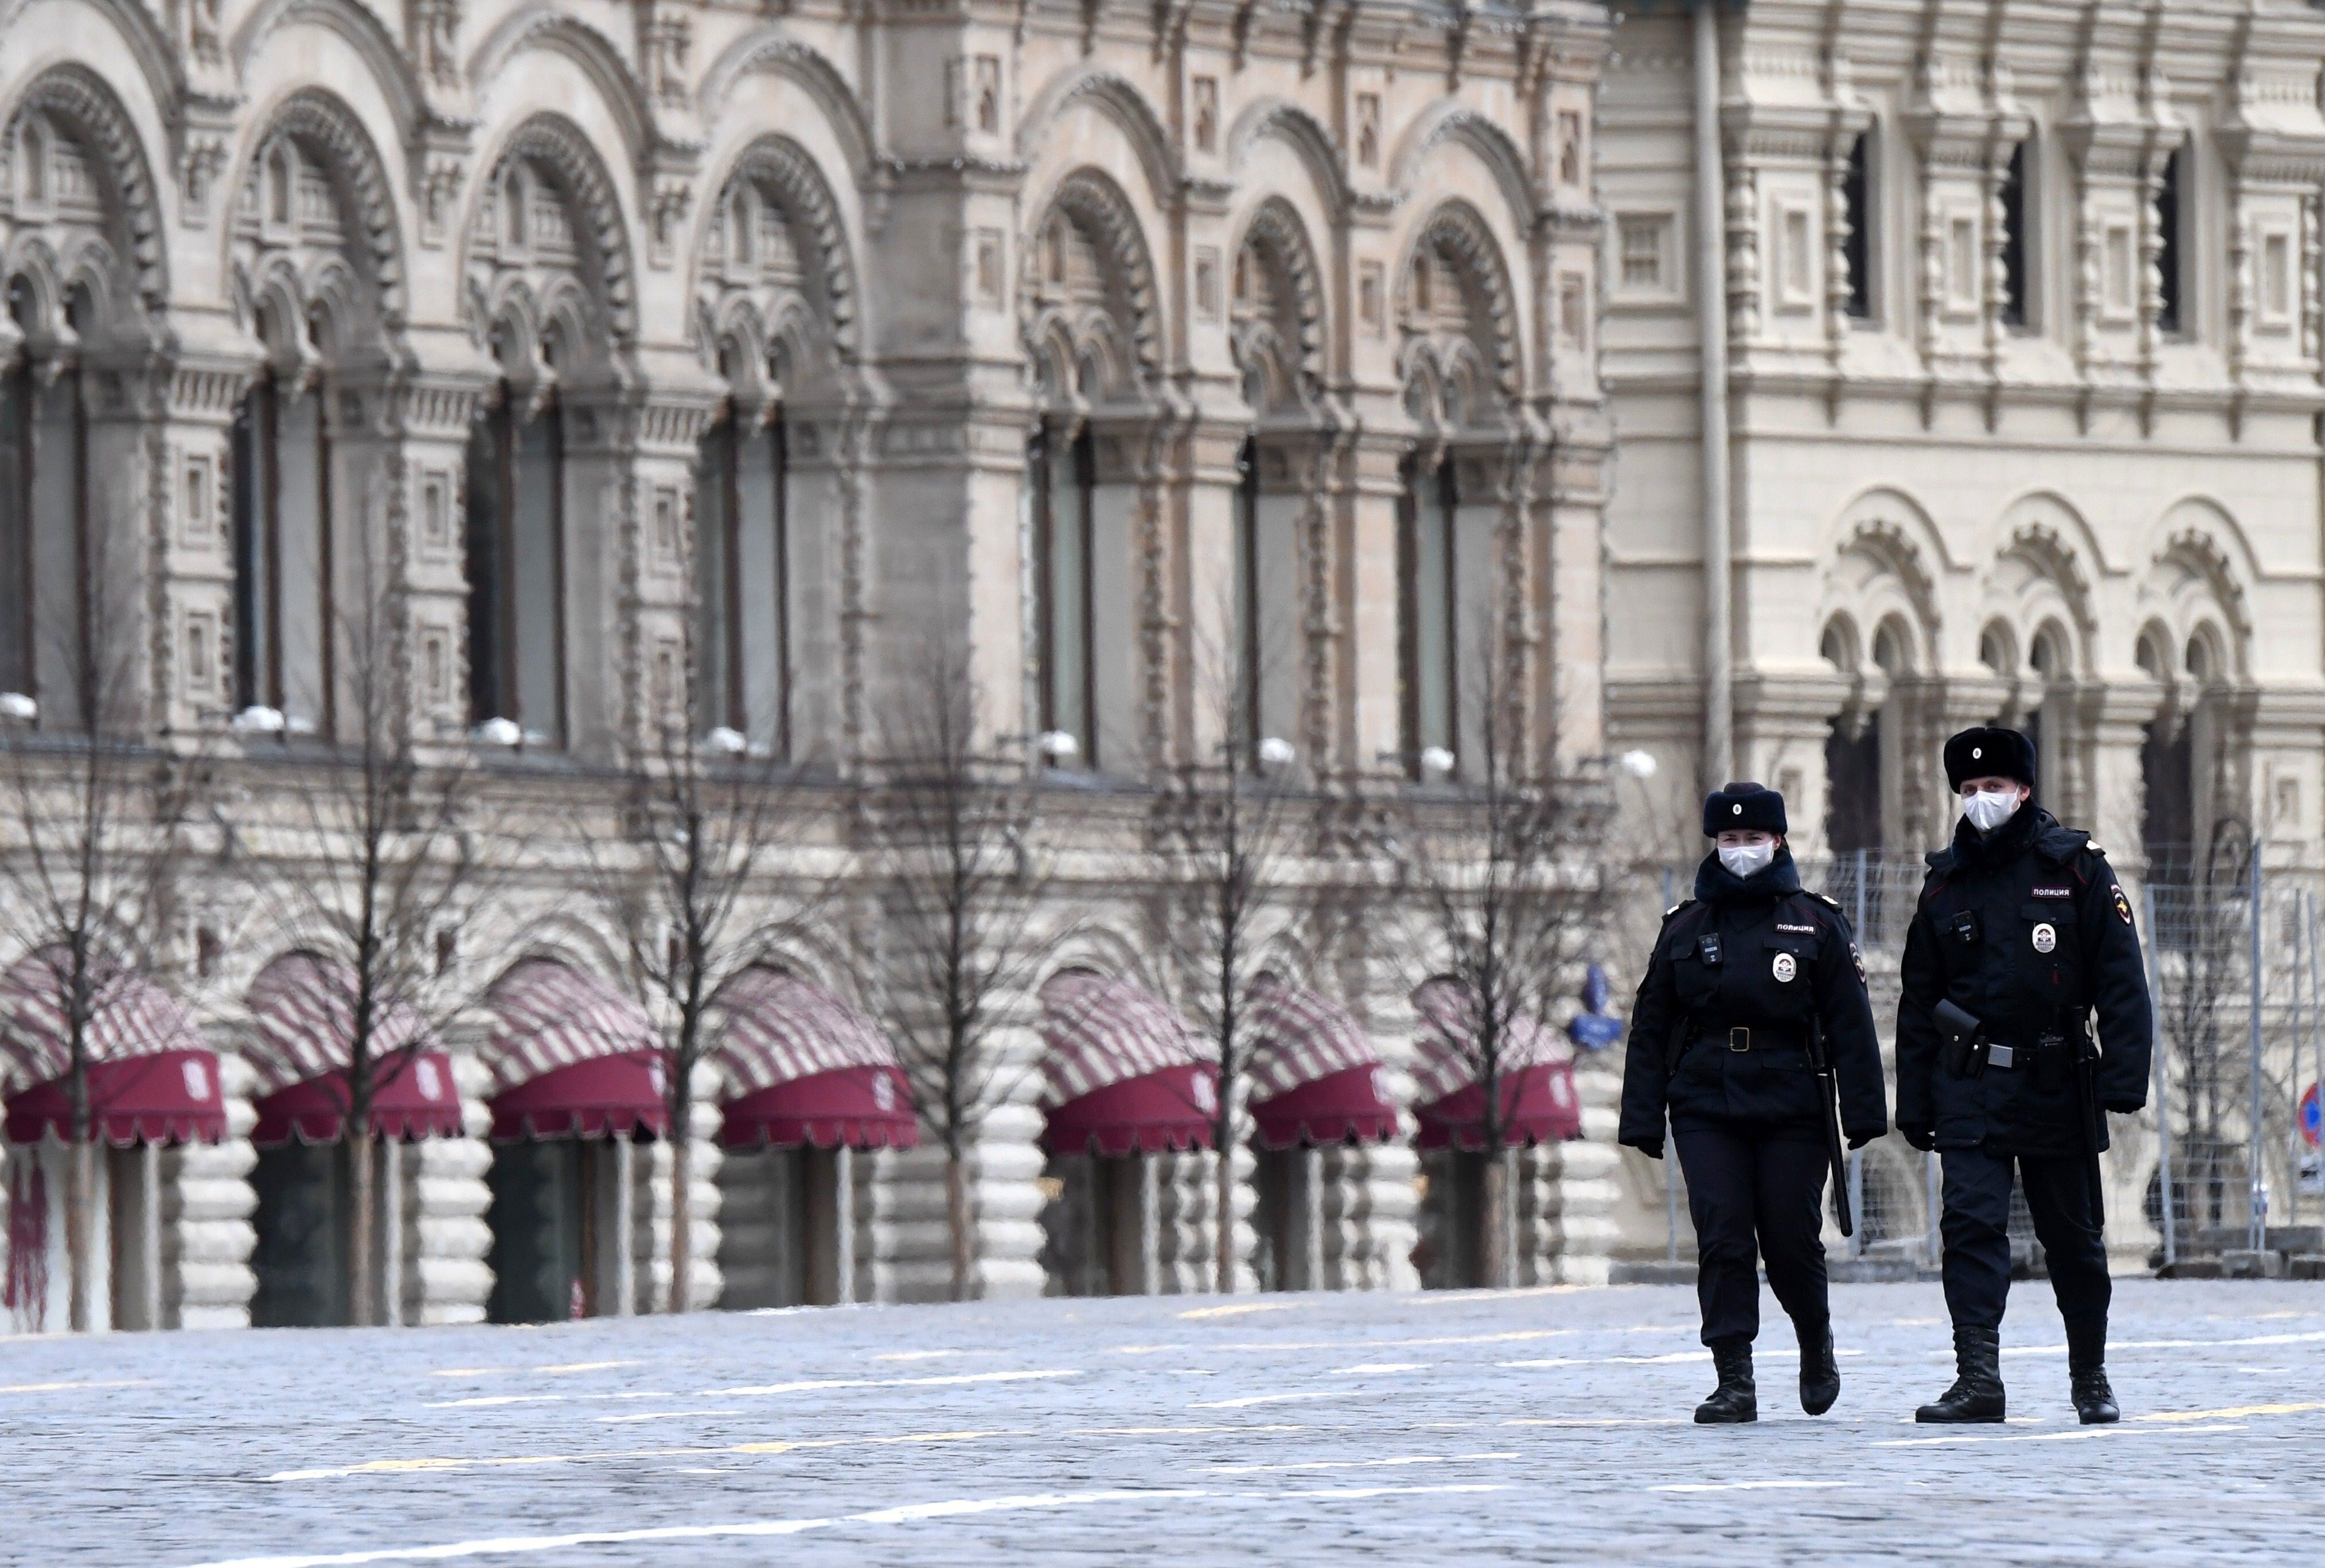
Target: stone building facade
[2010, 320]
[612, 350]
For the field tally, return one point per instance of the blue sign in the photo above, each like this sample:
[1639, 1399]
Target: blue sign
[2313, 1116]
[1595, 1031]
[1594, 990]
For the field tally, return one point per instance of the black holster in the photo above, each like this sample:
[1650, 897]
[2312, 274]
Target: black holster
[1959, 1032]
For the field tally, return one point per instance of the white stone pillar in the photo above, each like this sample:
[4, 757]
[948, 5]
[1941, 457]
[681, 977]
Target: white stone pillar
[206, 1236]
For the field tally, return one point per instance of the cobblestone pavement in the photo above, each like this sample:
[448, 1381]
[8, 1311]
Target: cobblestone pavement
[1526, 1427]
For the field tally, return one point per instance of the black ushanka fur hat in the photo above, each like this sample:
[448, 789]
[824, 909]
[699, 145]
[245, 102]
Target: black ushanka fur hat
[1743, 805]
[1989, 751]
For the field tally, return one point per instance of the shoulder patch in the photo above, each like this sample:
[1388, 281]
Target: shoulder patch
[2122, 903]
[1856, 956]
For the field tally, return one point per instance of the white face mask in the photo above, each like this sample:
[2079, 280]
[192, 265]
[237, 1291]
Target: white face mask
[1745, 861]
[1989, 809]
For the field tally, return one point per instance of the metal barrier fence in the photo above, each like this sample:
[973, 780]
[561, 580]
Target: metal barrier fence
[2225, 1156]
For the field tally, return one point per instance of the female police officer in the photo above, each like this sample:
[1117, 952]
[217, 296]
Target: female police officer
[1746, 978]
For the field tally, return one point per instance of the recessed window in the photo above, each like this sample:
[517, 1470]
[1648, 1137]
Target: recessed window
[2171, 209]
[2121, 291]
[1644, 240]
[2276, 278]
[1425, 627]
[2018, 240]
[1857, 247]
[1798, 271]
[1961, 262]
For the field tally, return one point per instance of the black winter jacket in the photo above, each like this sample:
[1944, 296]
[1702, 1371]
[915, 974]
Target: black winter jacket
[1760, 955]
[2026, 930]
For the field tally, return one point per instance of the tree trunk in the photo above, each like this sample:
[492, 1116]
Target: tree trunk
[681, 1219]
[1494, 1261]
[1223, 1273]
[957, 1223]
[357, 1149]
[80, 1242]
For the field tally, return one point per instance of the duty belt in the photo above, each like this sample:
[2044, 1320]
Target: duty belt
[1742, 1039]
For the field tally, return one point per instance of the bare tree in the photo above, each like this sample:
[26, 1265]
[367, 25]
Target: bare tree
[96, 814]
[1513, 883]
[707, 817]
[387, 832]
[2201, 974]
[1225, 833]
[949, 825]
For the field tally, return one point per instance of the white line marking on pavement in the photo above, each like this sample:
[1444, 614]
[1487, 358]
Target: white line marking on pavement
[926, 1355]
[1673, 1359]
[1402, 1459]
[513, 1371]
[1366, 1369]
[2076, 1434]
[2309, 1338]
[1350, 1494]
[511, 1545]
[489, 1461]
[907, 1513]
[762, 1390]
[1251, 1399]
[2233, 1410]
[663, 1415]
[61, 1388]
[1751, 1485]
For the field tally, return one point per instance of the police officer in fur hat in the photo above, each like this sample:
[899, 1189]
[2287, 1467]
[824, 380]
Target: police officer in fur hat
[2022, 935]
[1752, 981]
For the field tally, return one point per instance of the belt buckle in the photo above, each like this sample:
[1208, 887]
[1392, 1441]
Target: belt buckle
[2003, 1056]
[1739, 1039]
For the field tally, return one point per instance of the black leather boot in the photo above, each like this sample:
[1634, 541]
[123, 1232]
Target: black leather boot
[1735, 1400]
[2086, 1378]
[1977, 1393]
[1819, 1368]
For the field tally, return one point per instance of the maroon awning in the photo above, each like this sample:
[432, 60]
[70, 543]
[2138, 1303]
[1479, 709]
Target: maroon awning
[863, 1108]
[413, 1098]
[1351, 1105]
[1169, 1109]
[806, 1068]
[603, 1097]
[162, 1097]
[1538, 1107]
[1315, 1077]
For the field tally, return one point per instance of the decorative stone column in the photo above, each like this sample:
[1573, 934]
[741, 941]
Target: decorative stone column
[444, 1236]
[205, 1208]
[651, 1213]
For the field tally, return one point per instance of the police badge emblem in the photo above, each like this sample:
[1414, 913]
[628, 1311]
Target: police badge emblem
[1785, 967]
[2046, 937]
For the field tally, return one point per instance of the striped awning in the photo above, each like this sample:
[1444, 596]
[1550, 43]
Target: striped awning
[806, 1068]
[151, 1079]
[1315, 1076]
[1534, 1067]
[305, 1010]
[1121, 1071]
[570, 1055]
[131, 1016]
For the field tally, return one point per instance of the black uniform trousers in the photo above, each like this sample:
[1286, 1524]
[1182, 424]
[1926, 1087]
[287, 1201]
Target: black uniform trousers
[1975, 1227]
[1754, 1190]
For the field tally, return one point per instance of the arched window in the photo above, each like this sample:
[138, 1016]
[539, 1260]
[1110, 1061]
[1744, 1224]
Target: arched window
[48, 576]
[2167, 774]
[1852, 762]
[18, 394]
[281, 519]
[1247, 712]
[1427, 658]
[2047, 722]
[515, 559]
[743, 578]
[1065, 494]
